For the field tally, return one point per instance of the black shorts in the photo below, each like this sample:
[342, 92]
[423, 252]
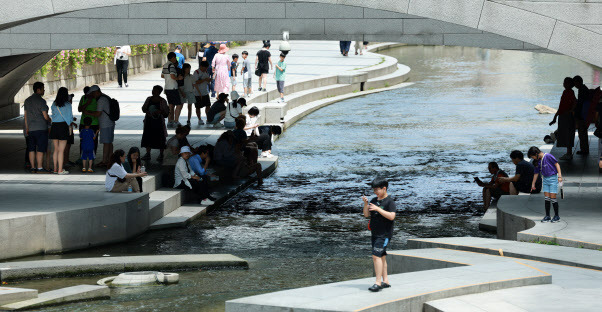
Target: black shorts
[497, 192]
[37, 141]
[522, 188]
[379, 246]
[59, 131]
[173, 97]
[202, 101]
[263, 69]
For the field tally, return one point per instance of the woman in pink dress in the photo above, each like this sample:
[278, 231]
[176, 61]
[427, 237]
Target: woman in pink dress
[221, 64]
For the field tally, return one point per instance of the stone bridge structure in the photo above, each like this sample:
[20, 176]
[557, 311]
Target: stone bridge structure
[31, 32]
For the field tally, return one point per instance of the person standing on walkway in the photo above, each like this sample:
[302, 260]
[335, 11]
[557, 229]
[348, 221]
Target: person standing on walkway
[279, 75]
[547, 165]
[210, 53]
[121, 61]
[201, 90]
[87, 137]
[565, 136]
[36, 127]
[359, 47]
[345, 46]
[62, 118]
[221, 65]
[170, 74]
[581, 111]
[245, 72]
[117, 180]
[233, 72]
[381, 210]
[263, 65]
[107, 126]
[201, 54]
[154, 134]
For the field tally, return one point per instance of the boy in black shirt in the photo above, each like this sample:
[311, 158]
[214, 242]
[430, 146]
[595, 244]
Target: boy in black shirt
[381, 211]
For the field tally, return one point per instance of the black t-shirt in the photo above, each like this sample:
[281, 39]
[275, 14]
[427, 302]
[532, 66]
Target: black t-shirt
[215, 109]
[263, 58]
[239, 135]
[380, 225]
[526, 171]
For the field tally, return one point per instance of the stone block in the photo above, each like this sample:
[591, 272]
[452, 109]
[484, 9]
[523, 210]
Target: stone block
[24, 235]
[54, 25]
[139, 26]
[273, 114]
[569, 12]
[67, 230]
[351, 78]
[13, 11]
[173, 10]
[69, 5]
[148, 39]
[429, 39]
[62, 296]
[137, 217]
[320, 10]
[117, 11]
[399, 6]
[516, 23]
[208, 26]
[107, 224]
[363, 26]
[55, 268]
[276, 26]
[431, 26]
[566, 37]
[461, 12]
[25, 41]
[10, 295]
[80, 41]
[246, 10]
[383, 14]
[487, 41]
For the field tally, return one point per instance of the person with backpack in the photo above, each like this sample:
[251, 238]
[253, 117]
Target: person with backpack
[107, 111]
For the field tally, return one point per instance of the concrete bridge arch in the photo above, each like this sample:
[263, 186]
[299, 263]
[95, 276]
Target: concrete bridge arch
[32, 31]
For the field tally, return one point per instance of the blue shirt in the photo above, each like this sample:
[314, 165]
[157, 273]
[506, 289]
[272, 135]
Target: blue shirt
[62, 114]
[196, 164]
[181, 59]
[87, 139]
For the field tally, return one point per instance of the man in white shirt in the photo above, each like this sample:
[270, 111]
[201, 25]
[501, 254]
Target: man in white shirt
[121, 61]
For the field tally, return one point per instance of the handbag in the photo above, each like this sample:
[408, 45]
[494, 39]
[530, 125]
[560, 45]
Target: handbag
[257, 72]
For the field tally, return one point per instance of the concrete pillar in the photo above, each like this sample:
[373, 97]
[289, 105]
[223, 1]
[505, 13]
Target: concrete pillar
[15, 70]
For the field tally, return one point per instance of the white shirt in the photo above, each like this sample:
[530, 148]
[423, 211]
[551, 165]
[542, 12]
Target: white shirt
[182, 173]
[251, 121]
[117, 171]
[198, 75]
[232, 111]
[168, 69]
[188, 81]
[122, 53]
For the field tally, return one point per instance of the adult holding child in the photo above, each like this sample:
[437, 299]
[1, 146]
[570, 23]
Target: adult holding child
[154, 134]
[565, 136]
[263, 64]
[117, 179]
[61, 129]
[221, 68]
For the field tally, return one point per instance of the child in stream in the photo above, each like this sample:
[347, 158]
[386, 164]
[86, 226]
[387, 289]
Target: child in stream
[381, 211]
[547, 165]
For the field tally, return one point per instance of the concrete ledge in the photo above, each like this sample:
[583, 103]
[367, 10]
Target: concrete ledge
[82, 266]
[10, 295]
[352, 78]
[61, 296]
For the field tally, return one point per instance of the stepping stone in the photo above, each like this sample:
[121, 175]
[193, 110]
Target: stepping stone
[179, 217]
[61, 296]
[10, 295]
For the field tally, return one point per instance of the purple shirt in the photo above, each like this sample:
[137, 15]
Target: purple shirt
[548, 162]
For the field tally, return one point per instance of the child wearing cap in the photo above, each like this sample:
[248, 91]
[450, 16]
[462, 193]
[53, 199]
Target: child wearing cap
[381, 211]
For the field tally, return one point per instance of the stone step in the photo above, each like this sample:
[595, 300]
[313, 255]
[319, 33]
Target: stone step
[179, 217]
[10, 294]
[394, 78]
[489, 221]
[163, 201]
[61, 296]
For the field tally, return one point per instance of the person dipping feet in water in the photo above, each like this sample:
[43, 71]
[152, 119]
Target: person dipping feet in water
[547, 165]
[381, 211]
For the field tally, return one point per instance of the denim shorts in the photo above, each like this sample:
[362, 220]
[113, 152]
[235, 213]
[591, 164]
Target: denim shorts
[379, 246]
[550, 184]
[246, 83]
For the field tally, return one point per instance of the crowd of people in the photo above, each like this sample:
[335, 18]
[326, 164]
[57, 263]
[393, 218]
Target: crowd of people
[575, 113]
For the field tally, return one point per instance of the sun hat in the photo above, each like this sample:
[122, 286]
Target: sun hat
[223, 48]
[185, 149]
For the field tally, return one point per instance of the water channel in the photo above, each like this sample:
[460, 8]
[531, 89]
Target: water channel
[468, 106]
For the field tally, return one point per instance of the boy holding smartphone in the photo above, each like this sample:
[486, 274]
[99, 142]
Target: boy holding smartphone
[381, 211]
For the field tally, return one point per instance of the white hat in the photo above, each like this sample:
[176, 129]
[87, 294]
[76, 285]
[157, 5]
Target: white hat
[185, 149]
[93, 89]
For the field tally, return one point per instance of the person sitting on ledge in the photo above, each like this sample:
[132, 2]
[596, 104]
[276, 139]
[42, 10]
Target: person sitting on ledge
[522, 179]
[199, 162]
[117, 179]
[185, 178]
[264, 141]
[494, 189]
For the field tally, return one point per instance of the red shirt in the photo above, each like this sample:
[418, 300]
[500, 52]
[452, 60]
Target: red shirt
[567, 102]
[503, 186]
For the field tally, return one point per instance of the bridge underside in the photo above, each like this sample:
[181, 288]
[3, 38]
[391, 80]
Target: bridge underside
[475, 23]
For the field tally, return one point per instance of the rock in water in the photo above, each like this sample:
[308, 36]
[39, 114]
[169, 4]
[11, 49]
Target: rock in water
[543, 109]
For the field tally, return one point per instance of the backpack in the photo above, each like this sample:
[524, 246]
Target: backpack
[114, 110]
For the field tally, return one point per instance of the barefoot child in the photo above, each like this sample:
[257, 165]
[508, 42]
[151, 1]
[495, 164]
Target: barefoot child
[381, 211]
[87, 137]
[548, 167]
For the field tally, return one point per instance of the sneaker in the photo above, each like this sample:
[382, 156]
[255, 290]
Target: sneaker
[375, 288]
[546, 219]
[33, 170]
[120, 86]
[146, 156]
[90, 170]
[566, 157]
[555, 219]
[84, 170]
[42, 170]
[264, 154]
[63, 172]
[126, 85]
[385, 285]
[207, 202]
[281, 100]
[259, 89]
[201, 122]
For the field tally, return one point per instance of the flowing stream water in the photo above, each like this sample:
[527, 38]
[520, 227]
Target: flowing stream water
[468, 106]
